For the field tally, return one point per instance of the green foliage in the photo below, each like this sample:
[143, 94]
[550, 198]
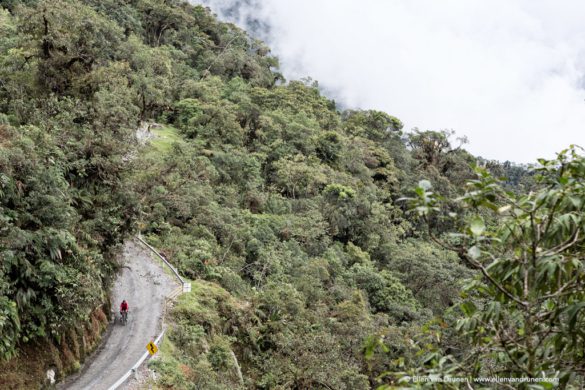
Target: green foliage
[67, 120]
[329, 147]
[65, 45]
[374, 125]
[10, 327]
[436, 155]
[433, 274]
[523, 312]
[385, 292]
[49, 275]
[338, 192]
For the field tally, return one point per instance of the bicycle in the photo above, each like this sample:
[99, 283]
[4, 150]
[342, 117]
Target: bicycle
[124, 317]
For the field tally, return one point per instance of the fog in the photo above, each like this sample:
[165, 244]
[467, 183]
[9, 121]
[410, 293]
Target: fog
[508, 74]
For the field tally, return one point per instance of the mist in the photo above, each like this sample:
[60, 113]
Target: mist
[508, 74]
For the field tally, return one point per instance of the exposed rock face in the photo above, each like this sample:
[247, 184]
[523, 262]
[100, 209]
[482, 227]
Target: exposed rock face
[51, 376]
[143, 133]
[43, 363]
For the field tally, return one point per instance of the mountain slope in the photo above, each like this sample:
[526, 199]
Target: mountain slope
[310, 270]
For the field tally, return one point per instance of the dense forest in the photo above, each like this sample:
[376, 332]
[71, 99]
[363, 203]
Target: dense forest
[328, 249]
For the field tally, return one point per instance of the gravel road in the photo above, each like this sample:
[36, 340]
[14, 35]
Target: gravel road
[144, 284]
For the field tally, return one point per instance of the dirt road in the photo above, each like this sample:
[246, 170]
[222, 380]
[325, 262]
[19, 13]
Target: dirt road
[144, 284]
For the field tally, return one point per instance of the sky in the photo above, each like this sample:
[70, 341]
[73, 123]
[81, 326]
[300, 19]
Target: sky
[508, 74]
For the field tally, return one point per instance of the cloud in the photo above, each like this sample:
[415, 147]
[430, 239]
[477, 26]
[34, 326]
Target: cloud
[509, 74]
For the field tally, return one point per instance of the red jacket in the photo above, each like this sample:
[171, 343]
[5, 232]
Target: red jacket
[124, 306]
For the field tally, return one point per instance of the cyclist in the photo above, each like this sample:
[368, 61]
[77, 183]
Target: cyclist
[124, 308]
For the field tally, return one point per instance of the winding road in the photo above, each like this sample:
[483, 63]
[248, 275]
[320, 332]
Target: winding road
[144, 284]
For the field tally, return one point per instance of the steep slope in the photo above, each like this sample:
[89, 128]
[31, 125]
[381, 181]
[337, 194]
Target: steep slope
[287, 211]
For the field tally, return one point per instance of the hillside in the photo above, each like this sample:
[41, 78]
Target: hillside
[320, 256]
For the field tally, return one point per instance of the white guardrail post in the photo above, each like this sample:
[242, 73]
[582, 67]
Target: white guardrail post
[186, 287]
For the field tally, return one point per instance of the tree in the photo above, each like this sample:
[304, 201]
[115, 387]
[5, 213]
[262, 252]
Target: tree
[433, 147]
[374, 125]
[524, 314]
[152, 77]
[69, 39]
[161, 19]
[299, 176]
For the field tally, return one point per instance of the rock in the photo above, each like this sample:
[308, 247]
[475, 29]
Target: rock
[51, 376]
[143, 133]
